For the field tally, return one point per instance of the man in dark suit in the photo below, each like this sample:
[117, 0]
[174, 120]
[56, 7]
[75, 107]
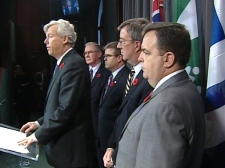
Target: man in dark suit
[166, 130]
[130, 45]
[99, 76]
[65, 129]
[112, 95]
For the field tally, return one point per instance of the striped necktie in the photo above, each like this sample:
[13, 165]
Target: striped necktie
[129, 81]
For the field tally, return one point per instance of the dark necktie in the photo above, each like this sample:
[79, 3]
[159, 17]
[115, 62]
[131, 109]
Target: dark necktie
[55, 70]
[129, 81]
[109, 82]
[91, 74]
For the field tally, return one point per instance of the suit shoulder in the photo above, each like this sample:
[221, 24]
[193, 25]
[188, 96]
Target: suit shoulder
[73, 57]
[125, 68]
[103, 70]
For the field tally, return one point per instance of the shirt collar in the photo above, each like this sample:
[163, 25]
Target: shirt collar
[95, 68]
[163, 80]
[117, 71]
[137, 69]
[60, 59]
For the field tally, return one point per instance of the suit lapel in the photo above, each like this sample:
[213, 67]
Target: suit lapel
[132, 89]
[132, 116]
[139, 78]
[178, 77]
[181, 76]
[57, 74]
[104, 95]
[95, 78]
[52, 82]
[110, 88]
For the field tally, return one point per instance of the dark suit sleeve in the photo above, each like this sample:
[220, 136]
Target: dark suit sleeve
[40, 120]
[112, 143]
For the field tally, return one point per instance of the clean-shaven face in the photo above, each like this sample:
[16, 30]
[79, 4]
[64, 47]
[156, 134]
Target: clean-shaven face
[92, 56]
[126, 44]
[111, 60]
[54, 42]
[153, 63]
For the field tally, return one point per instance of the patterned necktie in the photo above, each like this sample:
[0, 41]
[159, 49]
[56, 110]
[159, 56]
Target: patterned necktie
[129, 81]
[91, 74]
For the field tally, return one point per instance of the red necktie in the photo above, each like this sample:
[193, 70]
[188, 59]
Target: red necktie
[148, 97]
[109, 82]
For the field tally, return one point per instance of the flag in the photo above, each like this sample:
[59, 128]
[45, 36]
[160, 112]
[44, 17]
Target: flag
[157, 11]
[215, 93]
[184, 12]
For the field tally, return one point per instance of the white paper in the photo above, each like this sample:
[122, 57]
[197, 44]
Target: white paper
[9, 139]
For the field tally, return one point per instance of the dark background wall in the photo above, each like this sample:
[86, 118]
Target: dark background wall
[30, 16]
[22, 38]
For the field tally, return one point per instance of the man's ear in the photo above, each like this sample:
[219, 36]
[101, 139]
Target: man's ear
[100, 54]
[169, 59]
[137, 46]
[120, 58]
[65, 39]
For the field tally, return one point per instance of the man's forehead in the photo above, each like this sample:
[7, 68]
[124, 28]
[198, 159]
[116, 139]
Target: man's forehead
[90, 47]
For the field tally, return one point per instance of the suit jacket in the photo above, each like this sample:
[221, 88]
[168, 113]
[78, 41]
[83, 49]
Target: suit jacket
[97, 86]
[138, 91]
[66, 125]
[109, 105]
[166, 132]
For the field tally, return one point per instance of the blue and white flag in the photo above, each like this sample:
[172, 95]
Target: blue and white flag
[215, 94]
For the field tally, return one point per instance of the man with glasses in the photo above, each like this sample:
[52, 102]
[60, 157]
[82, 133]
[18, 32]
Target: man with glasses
[167, 130]
[137, 88]
[98, 75]
[112, 96]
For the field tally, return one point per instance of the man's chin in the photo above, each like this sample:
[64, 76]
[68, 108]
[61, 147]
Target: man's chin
[145, 76]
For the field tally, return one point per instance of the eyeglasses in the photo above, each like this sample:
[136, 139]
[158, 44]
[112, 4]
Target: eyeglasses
[122, 42]
[89, 52]
[108, 56]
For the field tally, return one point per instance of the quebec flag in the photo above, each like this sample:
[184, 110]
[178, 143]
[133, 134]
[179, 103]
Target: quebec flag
[215, 94]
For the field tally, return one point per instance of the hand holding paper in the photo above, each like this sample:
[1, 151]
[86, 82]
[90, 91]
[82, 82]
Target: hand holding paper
[26, 141]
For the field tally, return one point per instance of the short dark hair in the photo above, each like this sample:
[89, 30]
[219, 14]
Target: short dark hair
[173, 37]
[113, 45]
[134, 27]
